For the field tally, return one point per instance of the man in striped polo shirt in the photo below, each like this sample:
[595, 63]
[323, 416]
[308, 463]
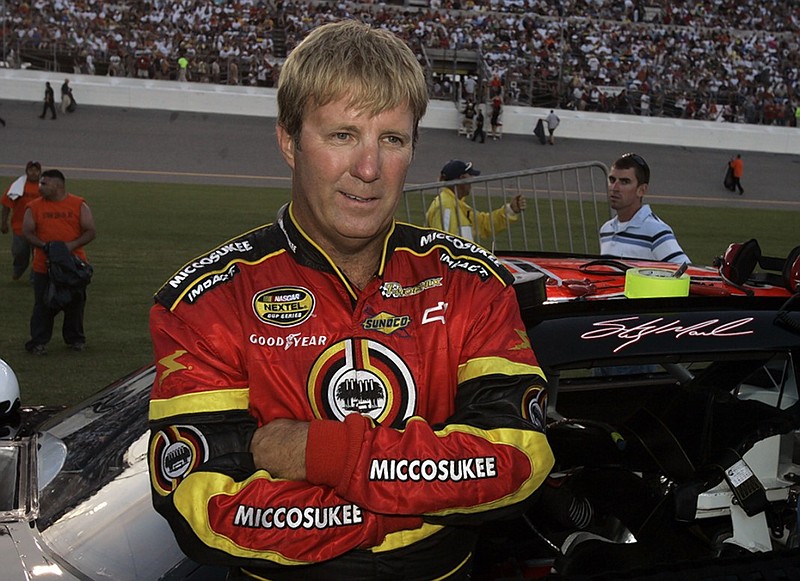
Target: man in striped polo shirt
[636, 232]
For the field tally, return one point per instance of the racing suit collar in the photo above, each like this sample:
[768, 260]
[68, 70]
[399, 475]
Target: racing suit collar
[308, 253]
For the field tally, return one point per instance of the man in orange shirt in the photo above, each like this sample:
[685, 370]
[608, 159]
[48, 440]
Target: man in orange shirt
[737, 165]
[56, 216]
[19, 194]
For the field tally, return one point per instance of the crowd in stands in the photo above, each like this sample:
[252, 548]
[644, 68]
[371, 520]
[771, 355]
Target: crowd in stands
[732, 60]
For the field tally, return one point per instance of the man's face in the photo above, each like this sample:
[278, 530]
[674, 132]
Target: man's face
[33, 173]
[625, 192]
[348, 172]
[48, 187]
[463, 190]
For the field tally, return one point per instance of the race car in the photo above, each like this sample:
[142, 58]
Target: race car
[673, 415]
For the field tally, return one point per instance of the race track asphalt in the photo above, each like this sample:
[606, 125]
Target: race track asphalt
[165, 146]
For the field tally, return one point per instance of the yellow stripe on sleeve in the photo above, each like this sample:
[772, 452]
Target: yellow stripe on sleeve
[220, 400]
[483, 366]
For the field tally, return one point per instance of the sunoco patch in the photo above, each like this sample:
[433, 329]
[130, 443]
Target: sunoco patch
[284, 306]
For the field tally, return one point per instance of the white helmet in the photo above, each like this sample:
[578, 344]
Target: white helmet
[9, 390]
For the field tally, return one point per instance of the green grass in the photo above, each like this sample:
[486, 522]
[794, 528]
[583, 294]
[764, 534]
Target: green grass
[147, 231]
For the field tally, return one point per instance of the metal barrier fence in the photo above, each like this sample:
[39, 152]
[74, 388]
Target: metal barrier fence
[566, 205]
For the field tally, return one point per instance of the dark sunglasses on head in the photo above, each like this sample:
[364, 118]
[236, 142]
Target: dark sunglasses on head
[638, 160]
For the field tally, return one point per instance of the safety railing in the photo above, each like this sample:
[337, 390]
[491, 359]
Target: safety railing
[566, 205]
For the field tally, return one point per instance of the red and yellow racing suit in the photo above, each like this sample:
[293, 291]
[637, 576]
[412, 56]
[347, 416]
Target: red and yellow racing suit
[425, 401]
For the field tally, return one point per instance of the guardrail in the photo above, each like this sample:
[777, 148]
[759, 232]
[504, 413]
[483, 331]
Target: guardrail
[24, 85]
[566, 205]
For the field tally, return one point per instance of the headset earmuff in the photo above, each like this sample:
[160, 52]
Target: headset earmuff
[791, 270]
[739, 261]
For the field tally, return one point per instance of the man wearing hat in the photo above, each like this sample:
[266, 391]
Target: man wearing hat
[450, 212]
[19, 194]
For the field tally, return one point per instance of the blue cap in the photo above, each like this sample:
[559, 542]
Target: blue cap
[455, 168]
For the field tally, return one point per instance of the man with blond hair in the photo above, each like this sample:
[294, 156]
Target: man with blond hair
[338, 395]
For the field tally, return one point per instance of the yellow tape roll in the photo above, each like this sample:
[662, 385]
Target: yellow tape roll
[645, 283]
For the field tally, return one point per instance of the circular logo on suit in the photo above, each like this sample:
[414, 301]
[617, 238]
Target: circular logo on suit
[362, 376]
[174, 452]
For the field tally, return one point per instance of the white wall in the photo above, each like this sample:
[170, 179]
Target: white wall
[25, 85]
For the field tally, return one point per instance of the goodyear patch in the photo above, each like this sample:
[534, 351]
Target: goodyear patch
[284, 306]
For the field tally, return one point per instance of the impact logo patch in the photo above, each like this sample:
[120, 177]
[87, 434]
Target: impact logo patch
[284, 306]
[386, 323]
[174, 453]
[365, 377]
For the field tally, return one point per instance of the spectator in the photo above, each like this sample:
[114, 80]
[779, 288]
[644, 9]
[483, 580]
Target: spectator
[644, 104]
[552, 123]
[468, 123]
[479, 131]
[578, 103]
[469, 88]
[143, 66]
[450, 212]
[516, 40]
[67, 100]
[183, 69]
[57, 216]
[495, 87]
[233, 72]
[49, 102]
[19, 194]
[737, 168]
[494, 120]
[296, 465]
[115, 66]
[635, 232]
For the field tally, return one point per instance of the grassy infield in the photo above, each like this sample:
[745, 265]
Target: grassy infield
[147, 231]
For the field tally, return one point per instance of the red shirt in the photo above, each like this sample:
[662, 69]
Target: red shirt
[737, 165]
[56, 220]
[17, 204]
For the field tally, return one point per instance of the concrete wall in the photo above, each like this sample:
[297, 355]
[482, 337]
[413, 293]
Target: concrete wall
[25, 85]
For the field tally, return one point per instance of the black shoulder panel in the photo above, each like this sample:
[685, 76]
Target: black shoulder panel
[220, 265]
[456, 252]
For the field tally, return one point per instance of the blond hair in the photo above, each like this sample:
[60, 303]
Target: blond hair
[370, 67]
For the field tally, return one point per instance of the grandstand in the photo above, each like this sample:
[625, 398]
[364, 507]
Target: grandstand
[723, 60]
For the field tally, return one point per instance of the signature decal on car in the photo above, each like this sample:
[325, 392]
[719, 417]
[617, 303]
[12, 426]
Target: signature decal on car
[630, 330]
